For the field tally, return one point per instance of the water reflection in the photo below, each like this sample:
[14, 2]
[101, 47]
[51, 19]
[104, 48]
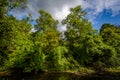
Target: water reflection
[56, 76]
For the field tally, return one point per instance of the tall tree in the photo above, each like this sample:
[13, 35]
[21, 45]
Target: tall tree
[15, 42]
[9, 30]
[77, 28]
[48, 38]
[46, 28]
[111, 36]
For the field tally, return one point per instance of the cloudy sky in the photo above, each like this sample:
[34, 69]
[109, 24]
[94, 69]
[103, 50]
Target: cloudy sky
[98, 11]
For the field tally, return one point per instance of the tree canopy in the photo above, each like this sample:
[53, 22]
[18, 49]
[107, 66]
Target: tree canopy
[45, 50]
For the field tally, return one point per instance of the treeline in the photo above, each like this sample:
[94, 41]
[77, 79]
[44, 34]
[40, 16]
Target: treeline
[48, 49]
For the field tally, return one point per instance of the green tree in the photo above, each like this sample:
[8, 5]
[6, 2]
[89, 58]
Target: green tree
[111, 36]
[47, 26]
[7, 5]
[97, 53]
[49, 39]
[15, 42]
[45, 22]
[77, 28]
[11, 30]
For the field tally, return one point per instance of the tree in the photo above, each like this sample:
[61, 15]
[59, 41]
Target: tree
[97, 53]
[16, 47]
[7, 5]
[111, 36]
[45, 22]
[6, 36]
[48, 37]
[47, 26]
[15, 42]
[77, 28]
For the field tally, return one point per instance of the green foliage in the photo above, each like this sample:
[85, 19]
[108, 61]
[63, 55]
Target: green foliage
[16, 38]
[45, 22]
[45, 50]
[78, 27]
[38, 56]
[97, 53]
[7, 5]
[56, 59]
[111, 36]
[6, 37]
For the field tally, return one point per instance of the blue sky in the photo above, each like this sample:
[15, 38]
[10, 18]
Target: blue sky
[99, 11]
[106, 17]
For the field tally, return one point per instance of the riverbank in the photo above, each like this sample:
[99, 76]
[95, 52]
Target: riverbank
[62, 76]
[5, 73]
[80, 72]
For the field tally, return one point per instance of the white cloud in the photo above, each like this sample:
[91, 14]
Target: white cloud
[60, 8]
[61, 14]
[114, 5]
[99, 5]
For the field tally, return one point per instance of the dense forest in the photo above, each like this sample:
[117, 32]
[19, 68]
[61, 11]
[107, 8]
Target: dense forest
[48, 49]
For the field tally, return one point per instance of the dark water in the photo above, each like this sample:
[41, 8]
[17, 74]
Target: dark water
[57, 76]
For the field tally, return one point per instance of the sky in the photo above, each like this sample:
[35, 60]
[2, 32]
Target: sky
[98, 11]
